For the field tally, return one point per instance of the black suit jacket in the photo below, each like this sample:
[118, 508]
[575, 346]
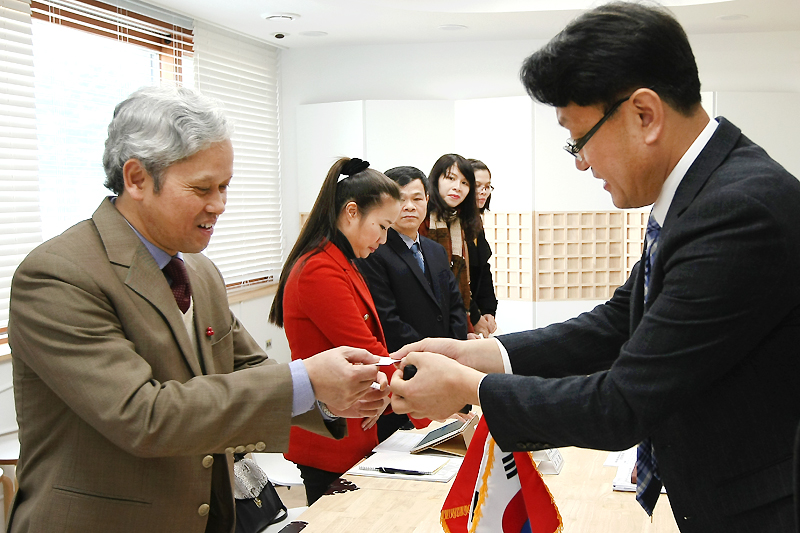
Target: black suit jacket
[708, 368]
[481, 286]
[410, 308]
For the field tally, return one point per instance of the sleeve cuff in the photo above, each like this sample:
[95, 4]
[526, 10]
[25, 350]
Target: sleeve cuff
[504, 355]
[302, 392]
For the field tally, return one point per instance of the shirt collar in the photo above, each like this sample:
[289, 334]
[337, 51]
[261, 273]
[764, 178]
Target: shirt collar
[406, 239]
[667, 194]
[160, 256]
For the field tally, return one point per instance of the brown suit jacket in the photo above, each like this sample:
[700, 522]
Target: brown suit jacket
[117, 431]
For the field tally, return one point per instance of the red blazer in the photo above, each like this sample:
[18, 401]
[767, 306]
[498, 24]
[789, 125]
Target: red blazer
[326, 304]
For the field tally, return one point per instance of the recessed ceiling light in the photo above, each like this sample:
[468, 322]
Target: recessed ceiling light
[313, 33]
[280, 17]
[738, 16]
[452, 27]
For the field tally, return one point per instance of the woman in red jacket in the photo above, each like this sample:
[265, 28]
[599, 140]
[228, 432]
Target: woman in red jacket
[323, 302]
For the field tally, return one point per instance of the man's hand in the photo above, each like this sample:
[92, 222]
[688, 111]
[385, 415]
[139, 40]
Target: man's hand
[440, 387]
[370, 407]
[341, 376]
[481, 354]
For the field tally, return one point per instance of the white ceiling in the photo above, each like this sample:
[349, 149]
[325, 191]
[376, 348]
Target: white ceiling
[364, 22]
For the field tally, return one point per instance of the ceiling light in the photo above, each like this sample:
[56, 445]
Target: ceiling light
[452, 27]
[280, 17]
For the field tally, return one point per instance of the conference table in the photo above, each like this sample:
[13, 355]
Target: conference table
[582, 492]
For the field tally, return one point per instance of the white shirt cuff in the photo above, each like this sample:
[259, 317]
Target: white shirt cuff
[506, 363]
[504, 355]
[302, 391]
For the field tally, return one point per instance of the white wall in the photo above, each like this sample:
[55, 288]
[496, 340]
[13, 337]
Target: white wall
[728, 63]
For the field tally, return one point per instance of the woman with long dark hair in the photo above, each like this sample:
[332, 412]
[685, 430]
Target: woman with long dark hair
[453, 216]
[484, 302]
[323, 302]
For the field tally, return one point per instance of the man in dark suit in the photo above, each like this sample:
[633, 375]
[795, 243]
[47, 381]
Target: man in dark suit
[415, 292]
[135, 385]
[695, 357]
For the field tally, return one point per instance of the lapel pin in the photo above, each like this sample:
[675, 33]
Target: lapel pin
[210, 332]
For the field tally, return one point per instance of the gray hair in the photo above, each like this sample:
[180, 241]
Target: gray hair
[160, 126]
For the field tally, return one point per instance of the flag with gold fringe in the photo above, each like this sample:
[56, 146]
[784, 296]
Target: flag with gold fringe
[496, 492]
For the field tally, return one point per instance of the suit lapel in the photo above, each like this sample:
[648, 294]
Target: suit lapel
[201, 296]
[399, 247]
[357, 281]
[124, 248]
[710, 158]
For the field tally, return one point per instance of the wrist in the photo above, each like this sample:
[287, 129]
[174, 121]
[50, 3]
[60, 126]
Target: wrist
[326, 412]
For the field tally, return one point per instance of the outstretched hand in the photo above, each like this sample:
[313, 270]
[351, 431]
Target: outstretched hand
[480, 354]
[440, 387]
[342, 376]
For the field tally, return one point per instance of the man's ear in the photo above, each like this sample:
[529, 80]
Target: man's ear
[650, 111]
[136, 179]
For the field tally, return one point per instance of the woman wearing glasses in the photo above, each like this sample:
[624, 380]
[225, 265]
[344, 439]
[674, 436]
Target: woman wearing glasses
[453, 218]
[484, 302]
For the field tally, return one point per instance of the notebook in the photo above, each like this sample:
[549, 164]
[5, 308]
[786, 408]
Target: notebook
[397, 463]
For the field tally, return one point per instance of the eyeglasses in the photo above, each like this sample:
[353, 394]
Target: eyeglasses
[485, 189]
[574, 147]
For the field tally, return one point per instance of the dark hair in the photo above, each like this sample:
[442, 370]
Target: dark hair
[468, 209]
[477, 164]
[366, 187]
[405, 175]
[608, 52]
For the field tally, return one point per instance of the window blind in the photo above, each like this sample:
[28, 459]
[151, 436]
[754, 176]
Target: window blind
[122, 23]
[20, 223]
[242, 73]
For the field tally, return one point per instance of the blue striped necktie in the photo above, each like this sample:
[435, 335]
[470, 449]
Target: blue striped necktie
[648, 480]
[418, 256]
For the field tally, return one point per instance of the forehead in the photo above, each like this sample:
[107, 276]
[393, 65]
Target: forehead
[576, 118]
[413, 187]
[482, 175]
[454, 171]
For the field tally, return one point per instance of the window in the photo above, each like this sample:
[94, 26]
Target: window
[243, 74]
[86, 56]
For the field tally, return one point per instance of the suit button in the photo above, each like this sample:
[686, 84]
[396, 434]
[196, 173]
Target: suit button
[366, 317]
[250, 448]
[260, 446]
[239, 449]
[203, 509]
[439, 318]
[208, 460]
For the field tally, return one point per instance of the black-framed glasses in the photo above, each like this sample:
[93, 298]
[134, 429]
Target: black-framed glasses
[574, 146]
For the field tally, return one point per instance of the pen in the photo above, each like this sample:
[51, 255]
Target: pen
[384, 470]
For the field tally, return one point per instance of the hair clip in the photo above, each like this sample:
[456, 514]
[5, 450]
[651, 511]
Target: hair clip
[354, 166]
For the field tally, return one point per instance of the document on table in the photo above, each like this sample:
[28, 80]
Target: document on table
[406, 466]
[399, 442]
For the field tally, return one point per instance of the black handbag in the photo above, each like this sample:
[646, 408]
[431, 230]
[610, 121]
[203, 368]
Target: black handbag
[257, 502]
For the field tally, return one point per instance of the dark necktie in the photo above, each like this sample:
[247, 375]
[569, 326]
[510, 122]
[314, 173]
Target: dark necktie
[176, 271]
[648, 481]
[418, 256]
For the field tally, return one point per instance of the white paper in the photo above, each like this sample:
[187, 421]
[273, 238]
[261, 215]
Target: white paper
[399, 442]
[443, 475]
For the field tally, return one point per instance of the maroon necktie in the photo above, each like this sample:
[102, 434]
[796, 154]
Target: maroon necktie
[176, 271]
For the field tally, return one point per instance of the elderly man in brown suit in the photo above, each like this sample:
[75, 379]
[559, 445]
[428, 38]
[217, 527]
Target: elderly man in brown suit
[133, 384]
